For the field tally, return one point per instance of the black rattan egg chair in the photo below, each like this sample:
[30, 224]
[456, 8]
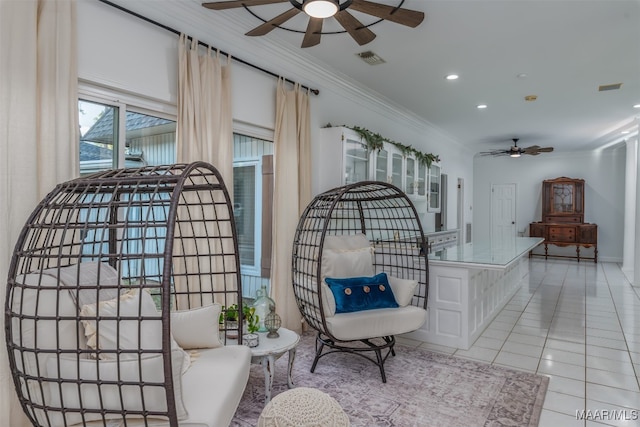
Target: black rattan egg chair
[335, 237]
[165, 231]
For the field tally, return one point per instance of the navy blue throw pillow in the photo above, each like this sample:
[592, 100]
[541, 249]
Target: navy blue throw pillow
[362, 293]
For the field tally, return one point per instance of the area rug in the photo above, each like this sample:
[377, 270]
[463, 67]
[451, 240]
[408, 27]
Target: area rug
[423, 389]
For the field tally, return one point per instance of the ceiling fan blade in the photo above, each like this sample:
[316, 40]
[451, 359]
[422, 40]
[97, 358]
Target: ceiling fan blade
[221, 5]
[534, 150]
[495, 153]
[265, 28]
[312, 36]
[360, 33]
[408, 17]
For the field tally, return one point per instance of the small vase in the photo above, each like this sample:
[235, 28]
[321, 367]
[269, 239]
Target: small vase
[231, 329]
[251, 340]
[263, 305]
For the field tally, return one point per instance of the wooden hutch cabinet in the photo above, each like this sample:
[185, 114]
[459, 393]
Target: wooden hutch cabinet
[563, 218]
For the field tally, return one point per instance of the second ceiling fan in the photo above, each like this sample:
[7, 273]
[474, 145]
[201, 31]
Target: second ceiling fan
[319, 10]
[515, 151]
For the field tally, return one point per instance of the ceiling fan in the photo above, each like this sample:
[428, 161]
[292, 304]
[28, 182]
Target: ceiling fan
[319, 10]
[516, 151]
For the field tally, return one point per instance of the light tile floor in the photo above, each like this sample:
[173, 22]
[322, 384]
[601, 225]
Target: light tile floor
[579, 324]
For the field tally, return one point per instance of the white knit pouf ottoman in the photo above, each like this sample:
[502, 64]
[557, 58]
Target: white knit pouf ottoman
[303, 407]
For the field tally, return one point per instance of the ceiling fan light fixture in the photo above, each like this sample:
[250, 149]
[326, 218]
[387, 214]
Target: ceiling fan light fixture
[320, 8]
[514, 154]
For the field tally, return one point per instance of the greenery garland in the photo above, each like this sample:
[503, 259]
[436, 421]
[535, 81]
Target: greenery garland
[375, 141]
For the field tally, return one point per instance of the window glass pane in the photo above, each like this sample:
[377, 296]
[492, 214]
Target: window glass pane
[244, 211]
[356, 162]
[410, 176]
[422, 172]
[396, 170]
[98, 136]
[149, 140]
[381, 166]
[252, 162]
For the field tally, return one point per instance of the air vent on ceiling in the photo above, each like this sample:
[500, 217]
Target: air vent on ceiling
[371, 58]
[614, 86]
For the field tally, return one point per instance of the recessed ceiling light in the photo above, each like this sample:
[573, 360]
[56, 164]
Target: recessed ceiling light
[522, 76]
[636, 106]
[452, 77]
[481, 106]
[624, 132]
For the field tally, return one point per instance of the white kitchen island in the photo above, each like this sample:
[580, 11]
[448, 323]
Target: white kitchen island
[468, 285]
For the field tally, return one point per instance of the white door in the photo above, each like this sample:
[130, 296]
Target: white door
[503, 213]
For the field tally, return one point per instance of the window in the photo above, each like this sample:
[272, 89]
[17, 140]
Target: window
[246, 208]
[252, 203]
[128, 133]
[116, 135]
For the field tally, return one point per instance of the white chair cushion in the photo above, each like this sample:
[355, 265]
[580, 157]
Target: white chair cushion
[328, 300]
[376, 323]
[108, 396]
[48, 334]
[403, 289]
[114, 333]
[346, 242]
[213, 386]
[347, 263]
[89, 273]
[223, 368]
[197, 328]
[347, 256]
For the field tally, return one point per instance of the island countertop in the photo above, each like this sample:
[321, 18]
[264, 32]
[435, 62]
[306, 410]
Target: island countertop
[487, 254]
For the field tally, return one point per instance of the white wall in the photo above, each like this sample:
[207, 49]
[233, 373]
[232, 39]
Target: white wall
[142, 58]
[602, 171]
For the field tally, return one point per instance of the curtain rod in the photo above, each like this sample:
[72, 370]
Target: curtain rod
[174, 31]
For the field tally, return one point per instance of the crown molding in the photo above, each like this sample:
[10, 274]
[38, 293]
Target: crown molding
[277, 56]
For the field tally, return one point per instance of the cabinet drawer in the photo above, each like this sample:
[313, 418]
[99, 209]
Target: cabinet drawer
[562, 234]
[572, 219]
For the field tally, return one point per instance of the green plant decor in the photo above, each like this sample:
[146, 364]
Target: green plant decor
[229, 314]
[375, 141]
[252, 319]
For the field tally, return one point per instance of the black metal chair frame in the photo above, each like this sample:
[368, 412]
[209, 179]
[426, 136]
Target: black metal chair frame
[390, 221]
[168, 230]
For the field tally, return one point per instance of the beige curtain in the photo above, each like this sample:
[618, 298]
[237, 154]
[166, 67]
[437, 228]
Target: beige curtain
[204, 133]
[38, 129]
[205, 124]
[292, 193]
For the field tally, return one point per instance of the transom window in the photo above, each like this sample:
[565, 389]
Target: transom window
[116, 135]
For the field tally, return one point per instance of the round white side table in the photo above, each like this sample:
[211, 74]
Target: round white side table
[269, 350]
